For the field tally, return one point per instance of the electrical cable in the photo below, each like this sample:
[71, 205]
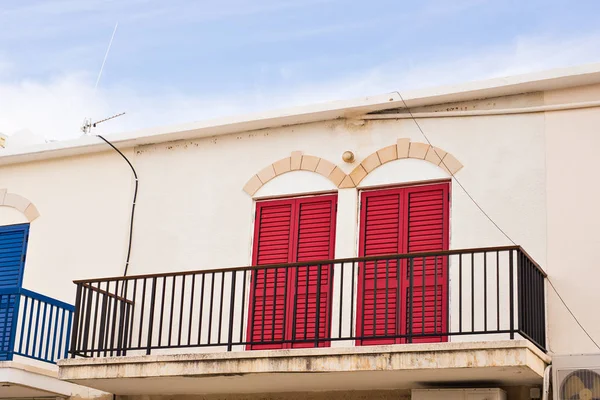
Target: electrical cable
[132, 205]
[572, 315]
[451, 173]
[487, 215]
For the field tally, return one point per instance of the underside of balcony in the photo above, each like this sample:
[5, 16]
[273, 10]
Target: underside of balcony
[498, 363]
[26, 381]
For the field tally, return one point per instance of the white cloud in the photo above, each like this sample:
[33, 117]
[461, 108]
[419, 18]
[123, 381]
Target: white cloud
[56, 109]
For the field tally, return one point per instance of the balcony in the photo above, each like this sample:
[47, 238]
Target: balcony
[373, 322]
[34, 333]
[33, 326]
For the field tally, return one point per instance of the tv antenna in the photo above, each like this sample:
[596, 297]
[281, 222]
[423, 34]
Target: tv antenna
[87, 126]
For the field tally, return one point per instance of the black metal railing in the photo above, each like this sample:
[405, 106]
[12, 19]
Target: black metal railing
[469, 294]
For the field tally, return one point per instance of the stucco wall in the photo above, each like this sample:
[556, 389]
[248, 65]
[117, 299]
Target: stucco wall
[81, 231]
[573, 142]
[191, 201]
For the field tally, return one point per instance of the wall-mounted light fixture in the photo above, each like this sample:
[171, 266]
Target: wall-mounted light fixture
[348, 156]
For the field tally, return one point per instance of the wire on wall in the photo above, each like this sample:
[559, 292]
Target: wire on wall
[488, 216]
[135, 191]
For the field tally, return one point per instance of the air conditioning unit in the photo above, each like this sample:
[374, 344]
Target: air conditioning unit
[458, 394]
[576, 377]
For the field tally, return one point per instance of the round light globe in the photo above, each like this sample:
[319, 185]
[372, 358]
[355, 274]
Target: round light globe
[348, 156]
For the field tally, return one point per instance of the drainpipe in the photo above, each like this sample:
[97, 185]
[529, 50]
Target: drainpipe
[546, 384]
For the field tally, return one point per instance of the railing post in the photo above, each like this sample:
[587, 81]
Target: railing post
[151, 320]
[318, 319]
[87, 323]
[221, 307]
[329, 300]
[410, 298]
[231, 310]
[275, 290]
[341, 302]
[387, 296]
[295, 308]
[114, 310]
[512, 295]
[447, 298]
[460, 292]
[353, 300]
[423, 289]
[521, 301]
[23, 318]
[362, 272]
[13, 328]
[543, 310]
[243, 304]
[472, 292]
[29, 325]
[69, 320]
[53, 353]
[103, 319]
[211, 307]
[122, 320]
[485, 285]
[284, 331]
[75, 321]
[526, 290]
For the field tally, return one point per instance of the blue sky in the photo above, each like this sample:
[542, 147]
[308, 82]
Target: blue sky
[179, 61]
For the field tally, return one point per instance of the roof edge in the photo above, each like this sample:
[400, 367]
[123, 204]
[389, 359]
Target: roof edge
[495, 87]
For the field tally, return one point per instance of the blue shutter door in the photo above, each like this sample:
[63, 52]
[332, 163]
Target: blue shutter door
[13, 247]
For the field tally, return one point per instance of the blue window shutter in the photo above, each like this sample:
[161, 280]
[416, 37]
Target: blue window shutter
[13, 247]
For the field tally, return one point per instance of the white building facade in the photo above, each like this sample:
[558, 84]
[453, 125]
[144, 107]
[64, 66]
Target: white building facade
[321, 252]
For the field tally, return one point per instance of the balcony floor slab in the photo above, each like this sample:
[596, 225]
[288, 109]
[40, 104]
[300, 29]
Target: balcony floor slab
[388, 367]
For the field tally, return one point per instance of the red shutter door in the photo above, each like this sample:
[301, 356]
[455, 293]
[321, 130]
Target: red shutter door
[378, 288]
[283, 301]
[427, 230]
[273, 238]
[311, 285]
[405, 220]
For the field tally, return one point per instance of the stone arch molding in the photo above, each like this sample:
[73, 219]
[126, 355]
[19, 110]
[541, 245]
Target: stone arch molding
[404, 148]
[19, 203]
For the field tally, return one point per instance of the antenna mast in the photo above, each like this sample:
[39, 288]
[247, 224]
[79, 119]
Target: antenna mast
[88, 124]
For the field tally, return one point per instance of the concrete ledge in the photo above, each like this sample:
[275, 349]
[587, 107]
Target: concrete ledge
[65, 364]
[20, 380]
[266, 370]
